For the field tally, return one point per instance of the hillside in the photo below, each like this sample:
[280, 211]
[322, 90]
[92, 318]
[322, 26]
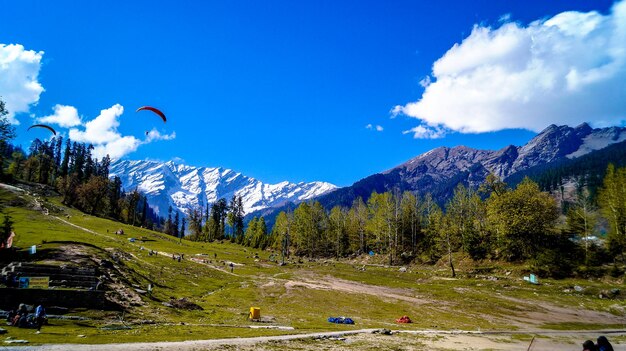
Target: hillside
[300, 295]
[591, 168]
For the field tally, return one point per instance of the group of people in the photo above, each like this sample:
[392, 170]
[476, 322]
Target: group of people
[603, 344]
[11, 280]
[22, 317]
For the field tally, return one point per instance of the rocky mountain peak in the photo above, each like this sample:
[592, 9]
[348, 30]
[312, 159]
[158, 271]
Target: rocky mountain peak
[184, 187]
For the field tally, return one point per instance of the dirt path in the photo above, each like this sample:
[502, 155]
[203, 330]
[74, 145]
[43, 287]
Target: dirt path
[337, 284]
[364, 339]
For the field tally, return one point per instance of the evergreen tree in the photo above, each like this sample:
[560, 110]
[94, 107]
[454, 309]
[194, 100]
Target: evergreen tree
[65, 164]
[182, 229]
[175, 228]
[168, 228]
[195, 223]
[144, 210]
[58, 145]
[7, 133]
[114, 195]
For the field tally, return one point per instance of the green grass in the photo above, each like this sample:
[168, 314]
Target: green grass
[465, 303]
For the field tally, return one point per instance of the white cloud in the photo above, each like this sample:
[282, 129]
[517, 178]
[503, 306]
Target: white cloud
[425, 132]
[117, 148]
[102, 133]
[64, 116]
[19, 72]
[568, 69]
[377, 128]
[154, 135]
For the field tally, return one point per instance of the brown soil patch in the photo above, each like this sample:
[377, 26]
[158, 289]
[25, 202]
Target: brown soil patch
[544, 312]
[337, 284]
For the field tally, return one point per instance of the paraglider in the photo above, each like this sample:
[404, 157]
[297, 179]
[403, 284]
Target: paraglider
[155, 110]
[43, 126]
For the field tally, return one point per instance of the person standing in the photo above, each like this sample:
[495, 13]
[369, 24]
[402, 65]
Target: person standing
[40, 317]
[604, 344]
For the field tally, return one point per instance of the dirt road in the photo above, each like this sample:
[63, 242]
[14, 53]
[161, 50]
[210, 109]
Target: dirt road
[364, 339]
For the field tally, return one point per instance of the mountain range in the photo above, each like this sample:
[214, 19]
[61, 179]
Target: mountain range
[183, 187]
[440, 170]
[437, 172]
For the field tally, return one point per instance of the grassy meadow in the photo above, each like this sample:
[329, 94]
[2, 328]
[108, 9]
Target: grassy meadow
[301, 294]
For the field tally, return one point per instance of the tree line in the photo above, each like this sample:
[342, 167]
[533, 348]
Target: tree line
[495, 222]
[81, 179]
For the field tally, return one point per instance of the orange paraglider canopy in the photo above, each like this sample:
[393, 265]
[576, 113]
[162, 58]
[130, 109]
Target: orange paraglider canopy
[43, 126]
[153, 109]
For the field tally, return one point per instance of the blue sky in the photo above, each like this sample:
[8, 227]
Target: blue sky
[305, 90]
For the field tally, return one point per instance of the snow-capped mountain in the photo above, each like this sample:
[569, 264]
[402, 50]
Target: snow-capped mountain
[184, 187]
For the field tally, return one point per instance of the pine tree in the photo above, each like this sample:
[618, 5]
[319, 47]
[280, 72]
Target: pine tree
[168, 227]
[182, 229]
[65, 164]
[175, 228]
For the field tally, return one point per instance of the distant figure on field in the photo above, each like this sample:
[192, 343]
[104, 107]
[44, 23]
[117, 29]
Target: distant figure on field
[604, 344]
[40, 317]
[589, 346]
[231, 267]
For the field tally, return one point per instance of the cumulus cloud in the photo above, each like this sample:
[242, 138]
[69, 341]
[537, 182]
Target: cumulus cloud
[155, 135]
[377, 128]
[19, 72]
[64, 116]
[102, 133]
[567, 69]
[425, 132]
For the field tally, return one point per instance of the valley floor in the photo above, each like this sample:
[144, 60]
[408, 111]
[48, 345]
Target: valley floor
[489, 300]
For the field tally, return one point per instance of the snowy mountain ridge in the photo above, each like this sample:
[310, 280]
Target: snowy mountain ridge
[184, 187]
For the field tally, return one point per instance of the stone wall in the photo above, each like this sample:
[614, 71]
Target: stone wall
[10, 298]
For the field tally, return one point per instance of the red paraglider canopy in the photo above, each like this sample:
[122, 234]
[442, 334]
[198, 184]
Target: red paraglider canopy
[43, 126]
[153, 109]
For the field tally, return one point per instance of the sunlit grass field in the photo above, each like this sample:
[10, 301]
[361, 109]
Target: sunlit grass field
[364, 289]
